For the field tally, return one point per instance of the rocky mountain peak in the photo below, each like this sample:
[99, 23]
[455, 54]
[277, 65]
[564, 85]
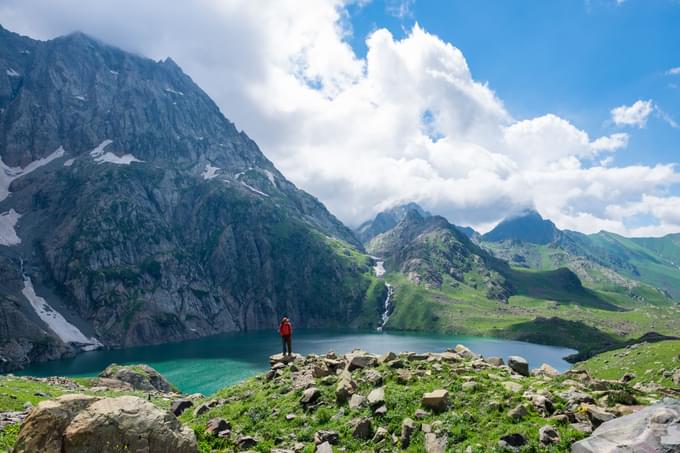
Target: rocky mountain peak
[527, 226]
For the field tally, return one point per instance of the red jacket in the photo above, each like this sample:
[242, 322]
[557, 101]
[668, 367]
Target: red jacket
[285, 329]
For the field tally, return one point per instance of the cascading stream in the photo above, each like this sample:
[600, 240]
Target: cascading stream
[379, 270]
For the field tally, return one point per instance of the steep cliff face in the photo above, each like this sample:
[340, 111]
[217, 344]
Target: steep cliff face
[141, 215]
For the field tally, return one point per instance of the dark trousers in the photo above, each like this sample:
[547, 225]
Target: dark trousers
[287, 344]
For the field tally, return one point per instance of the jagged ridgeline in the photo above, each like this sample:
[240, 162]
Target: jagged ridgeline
[134, 212]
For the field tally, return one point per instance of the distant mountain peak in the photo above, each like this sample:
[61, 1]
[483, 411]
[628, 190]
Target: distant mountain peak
[526, 226]
[388, 219]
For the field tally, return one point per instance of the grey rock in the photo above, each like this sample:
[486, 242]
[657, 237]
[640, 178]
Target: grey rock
[216, 425]
[324, 448]
[376, 397]
[519, 365]
[514, 440]
[434, 444]
[437, 400]
[362, 428]
[655, 428]
[518, 412]
[408, 426]
[548, 435]
[310, 396]
[179, 406]
[356, 401]
[495, 361]
[244, 442]
[140, 377]
[332, 437]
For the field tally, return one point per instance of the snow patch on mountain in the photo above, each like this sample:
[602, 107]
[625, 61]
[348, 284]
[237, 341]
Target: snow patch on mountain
[9, 174]
[67, 332]
[210, 172]
[259, 192]
[12, 73]
[270, 177]
[101, 156]
[8, 221]
[69, 162]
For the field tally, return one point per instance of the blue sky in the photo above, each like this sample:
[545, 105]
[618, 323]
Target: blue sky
[574, 58]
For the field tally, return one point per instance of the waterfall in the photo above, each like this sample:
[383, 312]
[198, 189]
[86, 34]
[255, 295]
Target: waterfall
[388, 306]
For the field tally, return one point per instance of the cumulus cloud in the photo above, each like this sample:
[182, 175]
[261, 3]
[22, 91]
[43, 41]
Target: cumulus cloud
[407, 122]
[633, 115]
[673, 71]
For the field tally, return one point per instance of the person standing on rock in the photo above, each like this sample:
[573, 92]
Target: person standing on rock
[286, 332]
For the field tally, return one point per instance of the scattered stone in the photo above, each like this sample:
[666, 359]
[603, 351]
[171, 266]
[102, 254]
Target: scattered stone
[597, 414]
[356, 401]
[244, 442]
[421, 414]
[387, 357]
[464, 352]
[201, 409]
[519, 365]
[310, 396]
[75, 423]
[543, 405]
[322, 436]
[380, 411]
[361, 428]
[512, 440]
[377, 397]
[408, 426]
[434, 444]
[380, 435]
[548, 435]
[655, 428]
[545, 370]
[495, 361]
[290, 417]
[450, 357]
[324, 448]
[216, 425]
[320, 371]
[404, 376]
[518, 412]
[628, 377]
[179, 406]
[360, 359]
[344, 390]
[284, 359]
[676, 377]
[373, 377]
[437, 400]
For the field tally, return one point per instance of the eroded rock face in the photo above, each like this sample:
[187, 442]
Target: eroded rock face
[519, 365]
[653, 429]
[140, 377]
[80, 423]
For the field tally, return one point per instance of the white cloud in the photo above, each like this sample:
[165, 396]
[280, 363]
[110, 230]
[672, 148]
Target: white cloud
[633, 115]
[406, 123]
[673, 71]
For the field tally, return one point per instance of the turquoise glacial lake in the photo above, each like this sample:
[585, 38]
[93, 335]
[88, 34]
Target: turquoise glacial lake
[208, 364]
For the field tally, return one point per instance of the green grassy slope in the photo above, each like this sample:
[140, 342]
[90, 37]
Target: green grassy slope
[649, 362]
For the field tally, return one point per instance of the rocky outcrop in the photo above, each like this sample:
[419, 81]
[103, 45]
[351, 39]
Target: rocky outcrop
[140, 377]
[80, 423]
[653, 429]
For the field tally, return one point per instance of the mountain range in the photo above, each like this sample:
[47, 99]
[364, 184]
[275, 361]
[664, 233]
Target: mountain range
[132, 212]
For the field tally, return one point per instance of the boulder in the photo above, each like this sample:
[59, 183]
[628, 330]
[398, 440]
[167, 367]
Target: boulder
[437, 400]
[676, 377]
[310, 396]
[380, 411]
[513, 387]
[356, 401]
[548, 435]
[377, 397]
[373, 377]
[201, 409]
[655, 428]
[545, 370]
[320, 371]
[470, 386]
[360, 359]
[324, 448]
[344, 390]
[284, 359]
[408, 426]
[514, 440]
[244, 442]
[518, 412]
[495, 361]
[434, 444]
[216, 426]
[464, 352]
[387, 357]
[79, 423]
[380, 435]
[404, 376]
[179, 406]
[450, 357]
[332, 437]
[519, 365]
[140, 377]
[597, 415]
[361, 428]
[543, 405]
